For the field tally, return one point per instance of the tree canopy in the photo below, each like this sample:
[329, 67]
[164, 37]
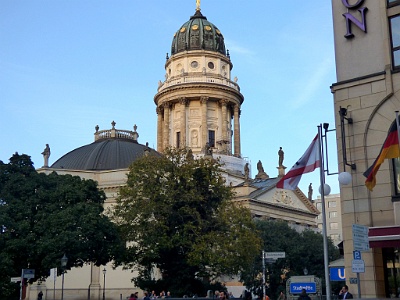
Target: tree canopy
[302, 250]
[176, 215]
[43, 217]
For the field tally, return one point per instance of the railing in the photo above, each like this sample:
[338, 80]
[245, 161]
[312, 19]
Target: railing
[198, 79]
[116, 133]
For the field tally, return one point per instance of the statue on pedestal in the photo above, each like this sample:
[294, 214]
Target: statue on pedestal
[46, 154]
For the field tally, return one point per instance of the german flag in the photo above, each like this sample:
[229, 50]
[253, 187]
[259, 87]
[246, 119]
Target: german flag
[390, 149]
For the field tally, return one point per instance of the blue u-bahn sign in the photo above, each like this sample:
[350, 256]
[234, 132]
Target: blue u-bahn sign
[337, 274]
[297, 287]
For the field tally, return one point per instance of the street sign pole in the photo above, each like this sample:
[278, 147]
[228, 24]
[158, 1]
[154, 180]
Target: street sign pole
[263, 275]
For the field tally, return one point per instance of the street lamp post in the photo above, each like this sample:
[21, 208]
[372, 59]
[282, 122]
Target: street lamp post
[64, 261]
[104, 283]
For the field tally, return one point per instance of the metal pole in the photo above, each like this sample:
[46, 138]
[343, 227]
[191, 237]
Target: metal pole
[62, 286]
[358, 285]
[324, 234]
[104, 286]
[263, 278]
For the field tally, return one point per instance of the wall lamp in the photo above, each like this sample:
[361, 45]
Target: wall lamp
[343, 114]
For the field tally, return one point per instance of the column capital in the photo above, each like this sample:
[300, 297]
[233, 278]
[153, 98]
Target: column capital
[159, 110]
[183, 101]
[166, 105]
[223, 102]
[204, 99]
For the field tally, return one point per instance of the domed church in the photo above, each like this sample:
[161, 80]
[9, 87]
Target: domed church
[198, 106]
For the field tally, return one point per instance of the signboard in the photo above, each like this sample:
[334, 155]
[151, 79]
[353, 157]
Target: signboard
[353, 281]
[337, 274]
[357, 266]
[360, 237]
[275, 255]
[15, 279]
[357, 255]
[28, 273]
[297, 287]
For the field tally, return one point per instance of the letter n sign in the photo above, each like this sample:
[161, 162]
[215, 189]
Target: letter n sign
[352, 19]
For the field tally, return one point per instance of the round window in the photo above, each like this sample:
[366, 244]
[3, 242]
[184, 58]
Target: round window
[211, 65]
[194, 64]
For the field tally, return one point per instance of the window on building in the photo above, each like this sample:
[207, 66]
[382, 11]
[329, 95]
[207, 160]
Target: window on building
[334, 225]
[333, 214]
[391, 3]
[395, 39]
[178, 139]
[396, 175]
[319, 217]
[211, 138]
[334, 236]
[331, 203]
[319, 206]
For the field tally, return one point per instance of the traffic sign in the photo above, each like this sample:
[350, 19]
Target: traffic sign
[357, 266]
[15, 279]
[337, 274]
[297, 287]
[356, 255]
[275, 255]
[360, 237]
[28, 273]
[353, 281]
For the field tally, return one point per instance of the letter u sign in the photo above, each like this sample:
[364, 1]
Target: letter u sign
[352, 19]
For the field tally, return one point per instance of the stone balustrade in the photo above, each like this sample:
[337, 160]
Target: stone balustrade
[198, 79]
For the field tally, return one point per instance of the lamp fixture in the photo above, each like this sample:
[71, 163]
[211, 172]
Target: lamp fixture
[343, 116]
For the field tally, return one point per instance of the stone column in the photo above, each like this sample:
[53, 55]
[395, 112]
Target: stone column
[236, 133]
[204, 126]
[167, 106]
[224, 144]
[159, 112]
[183, 101]
[94, 282]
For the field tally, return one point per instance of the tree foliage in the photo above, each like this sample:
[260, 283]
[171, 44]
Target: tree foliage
[302, 250]
[44, 216]
[177, 216]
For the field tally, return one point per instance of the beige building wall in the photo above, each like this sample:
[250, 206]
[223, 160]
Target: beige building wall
[333, 211]
[370, 91]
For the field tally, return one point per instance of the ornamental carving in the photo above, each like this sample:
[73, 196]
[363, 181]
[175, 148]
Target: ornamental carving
[283, 197]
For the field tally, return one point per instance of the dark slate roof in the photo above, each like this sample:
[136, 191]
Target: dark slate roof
[198, 34]
[104, 154]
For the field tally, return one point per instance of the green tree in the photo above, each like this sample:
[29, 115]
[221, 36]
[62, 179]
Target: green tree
[303, 250]
[44, 216]
[177, 215]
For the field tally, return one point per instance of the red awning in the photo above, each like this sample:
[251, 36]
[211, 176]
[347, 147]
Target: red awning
[384, 237]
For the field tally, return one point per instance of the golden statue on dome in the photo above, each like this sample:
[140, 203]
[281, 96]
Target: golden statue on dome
[198, 5]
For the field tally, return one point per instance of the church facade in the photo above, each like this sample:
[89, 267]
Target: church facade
[198, 106]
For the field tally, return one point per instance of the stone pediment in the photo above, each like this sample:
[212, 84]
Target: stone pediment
[283, 199]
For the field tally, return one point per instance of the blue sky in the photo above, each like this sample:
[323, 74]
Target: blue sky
[69, 65]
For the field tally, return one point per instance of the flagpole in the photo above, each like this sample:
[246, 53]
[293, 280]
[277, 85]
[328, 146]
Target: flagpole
[397, 124]
[324, 232]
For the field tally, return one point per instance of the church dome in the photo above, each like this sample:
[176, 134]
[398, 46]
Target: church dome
[198, 34]
[112, 149]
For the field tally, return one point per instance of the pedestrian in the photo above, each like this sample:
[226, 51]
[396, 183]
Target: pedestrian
[344, 293]
[132, 297]
[146, 296]
[303, 295]
[40, 295]
[281, 296]
[222, 296]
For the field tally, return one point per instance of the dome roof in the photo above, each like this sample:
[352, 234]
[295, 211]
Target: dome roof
[113, 149]
[198, 34]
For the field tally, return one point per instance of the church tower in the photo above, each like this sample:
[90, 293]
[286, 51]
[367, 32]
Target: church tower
[198, 104]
